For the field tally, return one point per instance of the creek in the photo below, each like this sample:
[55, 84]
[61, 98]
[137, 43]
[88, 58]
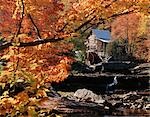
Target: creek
[129, 97]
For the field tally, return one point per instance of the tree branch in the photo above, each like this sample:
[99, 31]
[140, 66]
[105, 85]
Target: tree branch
[35, 27]
[62, 29]
[33, 43]
[85, 23]
[41, 41]
[21, 20]
[93, 25]
[88, 21]
[103, 19]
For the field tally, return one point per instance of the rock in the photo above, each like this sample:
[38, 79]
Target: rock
[131, 96]
[139, 100]
[126, 105]
[132, 106]
[118, 104]
[142, 69]
[106, 107]
[87, 95]
[52, 92]
[139, 106]
[147, 107]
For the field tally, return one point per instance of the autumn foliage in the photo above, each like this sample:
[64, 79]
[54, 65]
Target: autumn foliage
[133, 28]
[34, 34]
[28, 27]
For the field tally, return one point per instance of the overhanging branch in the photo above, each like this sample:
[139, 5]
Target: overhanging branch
[37, 42]
[88, 21]
[85, 23]
[33, 43]
[103, 19]
[35, 26]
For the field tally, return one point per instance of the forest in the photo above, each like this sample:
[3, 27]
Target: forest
[39, 38]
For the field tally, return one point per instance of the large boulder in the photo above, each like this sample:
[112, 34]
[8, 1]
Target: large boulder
[87, 95]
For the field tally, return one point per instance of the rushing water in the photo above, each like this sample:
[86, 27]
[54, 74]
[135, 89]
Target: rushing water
[98, 85]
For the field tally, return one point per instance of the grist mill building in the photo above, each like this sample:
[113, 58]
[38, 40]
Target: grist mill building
[96, 46]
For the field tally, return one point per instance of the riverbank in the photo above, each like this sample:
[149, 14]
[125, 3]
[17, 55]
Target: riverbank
[85, 103]
[128, 97]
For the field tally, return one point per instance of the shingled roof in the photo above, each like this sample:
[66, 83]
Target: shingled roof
[102, 35]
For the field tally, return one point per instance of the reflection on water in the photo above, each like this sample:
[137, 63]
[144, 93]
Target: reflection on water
[132, 112]
[126, 112]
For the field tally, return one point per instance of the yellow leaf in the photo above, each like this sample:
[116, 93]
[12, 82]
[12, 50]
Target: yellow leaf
[32, 112]
[5, 93]
[22, 36]
[7, 56]
[2, 85]
[59, 116]
[34, 66]
[20, 55]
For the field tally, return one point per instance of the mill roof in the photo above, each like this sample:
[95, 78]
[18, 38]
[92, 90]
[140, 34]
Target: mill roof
[102, 35]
